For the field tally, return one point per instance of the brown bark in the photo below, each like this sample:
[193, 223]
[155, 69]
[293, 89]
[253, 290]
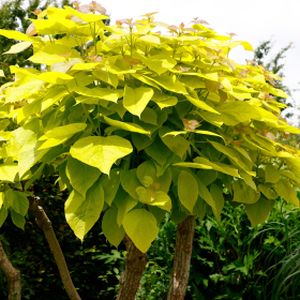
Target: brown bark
[45, 224]
[182, 259]
[12, 274]
[135, 265]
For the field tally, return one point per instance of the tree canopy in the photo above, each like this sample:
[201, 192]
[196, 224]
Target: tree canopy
[137, 119]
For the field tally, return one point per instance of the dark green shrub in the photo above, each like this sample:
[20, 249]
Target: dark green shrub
[94, 264]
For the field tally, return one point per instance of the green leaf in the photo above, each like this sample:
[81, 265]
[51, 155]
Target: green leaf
[126, 126]
[259, 211]
[135, 100]
[217, 195]
[22, 146]
[141, 227]
[204, 163]
[160, 63]
[272, 174]
[202, 105]
[129, 182]
[19, 47]
[110, 185]
[111, 79]
[3, 215]
[93, 95]
[17, 219]
[243, 193]
[101, 152]
[248, 179]
[235, 157]
[83, 212]
[200, 208]
[146, 173]
[285, 190]
[2, 197]
[176, 144]
[151, 39]
[235, 112]
[55, 77]
[8, 172]
[15, 35]
[205, 194]
[267, 191]
[111, 229]
[59, 135]
[141, 141]
[169, 83]
[184, 132]
[86, 17]
[163, 100]
[146, 80]
[81, 176]
[17, 201]
[153, 197]
[124, 205]
[207, 177]
[149, 116]
[187, 190]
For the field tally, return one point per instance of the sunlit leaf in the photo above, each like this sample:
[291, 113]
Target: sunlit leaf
[126, 126]
[17, 48]
[142, 236]
[83, 212]
[101, 152]
[111, 229]
[136, 99]
[187, 190]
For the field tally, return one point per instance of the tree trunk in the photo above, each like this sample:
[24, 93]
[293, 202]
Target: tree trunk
[182, 259]
[45, 224]
[135, 265]
[13, 276]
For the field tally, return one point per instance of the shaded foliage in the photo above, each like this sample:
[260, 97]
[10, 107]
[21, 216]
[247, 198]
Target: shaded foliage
[94, 264]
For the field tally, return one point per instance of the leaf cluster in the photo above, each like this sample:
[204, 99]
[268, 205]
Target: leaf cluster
[138, 119]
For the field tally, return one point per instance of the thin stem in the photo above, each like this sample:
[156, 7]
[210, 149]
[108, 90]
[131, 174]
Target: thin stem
[45, 224]
[12, 274]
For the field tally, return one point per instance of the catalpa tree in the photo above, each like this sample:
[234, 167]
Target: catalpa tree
[136, 123]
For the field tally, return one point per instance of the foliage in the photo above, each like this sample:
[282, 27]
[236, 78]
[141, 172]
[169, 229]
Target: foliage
[231, 259]
[94, 264]
[108, 100]
[15, 15]
[275, 65]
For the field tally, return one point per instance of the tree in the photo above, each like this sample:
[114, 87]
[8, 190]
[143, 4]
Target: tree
[274, 65]
[136, 124]
[14, 15]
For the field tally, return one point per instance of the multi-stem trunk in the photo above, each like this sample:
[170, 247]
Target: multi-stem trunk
[182, 259]
[135, 265]
[45, 224]
[12, 274]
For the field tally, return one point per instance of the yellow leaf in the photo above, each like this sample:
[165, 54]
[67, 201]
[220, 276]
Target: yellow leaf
[136, 99]
[17, 48]
[15, 35]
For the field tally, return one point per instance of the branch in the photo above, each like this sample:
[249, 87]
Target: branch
[12, 274]
[135, 265]
[182, 259]
[45, 224]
